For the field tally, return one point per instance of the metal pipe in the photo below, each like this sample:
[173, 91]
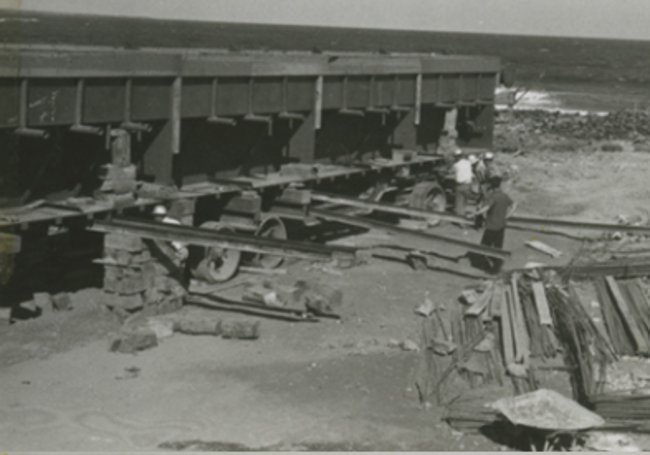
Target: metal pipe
[85, 129]
[388, 208]
[542, 222]
[373, 224]
[291, 116]
[144, 127]
[222, 120]
[354, 112]
[31, 132]
[23, 129]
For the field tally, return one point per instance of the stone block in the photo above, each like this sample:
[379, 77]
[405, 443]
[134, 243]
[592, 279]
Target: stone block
[62, 301]
[123, 242]
[241, 330]
[43, 300]
[198, 326]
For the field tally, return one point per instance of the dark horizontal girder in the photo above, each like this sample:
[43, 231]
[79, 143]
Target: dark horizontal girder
[206, 237]
[373, 224]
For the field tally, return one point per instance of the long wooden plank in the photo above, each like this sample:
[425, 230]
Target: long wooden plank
[520, 331]
[507, 337]
[640, 341]
[541, 303]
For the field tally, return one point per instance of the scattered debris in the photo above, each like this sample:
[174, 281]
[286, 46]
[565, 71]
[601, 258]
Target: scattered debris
[544, 248]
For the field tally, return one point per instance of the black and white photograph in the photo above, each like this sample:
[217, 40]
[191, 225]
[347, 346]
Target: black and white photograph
[324, 226]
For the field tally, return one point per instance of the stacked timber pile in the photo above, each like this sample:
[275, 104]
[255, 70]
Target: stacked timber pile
[538, 314]
[141, 276]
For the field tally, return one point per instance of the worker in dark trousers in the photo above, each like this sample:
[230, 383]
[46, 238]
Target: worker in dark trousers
[497, 207]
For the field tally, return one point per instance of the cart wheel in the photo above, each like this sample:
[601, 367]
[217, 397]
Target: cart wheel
[272, 227]
[217, 264]
[428, 196]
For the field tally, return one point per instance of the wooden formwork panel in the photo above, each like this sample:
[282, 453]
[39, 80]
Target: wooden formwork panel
[268, 95]
[197, 97]
[51, 101]
[151, 99]
[10, 96]
[301, 93]
[103, 100]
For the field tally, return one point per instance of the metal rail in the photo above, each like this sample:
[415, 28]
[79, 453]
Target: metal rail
[541, 222]
[373, 224]
[389, 208]
[206, 237]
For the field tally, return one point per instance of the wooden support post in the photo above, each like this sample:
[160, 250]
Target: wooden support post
[318, 103]
[418, 99]
[175, 115]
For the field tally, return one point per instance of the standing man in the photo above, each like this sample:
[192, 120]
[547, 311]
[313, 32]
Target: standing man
[462, 172]
[497, 208]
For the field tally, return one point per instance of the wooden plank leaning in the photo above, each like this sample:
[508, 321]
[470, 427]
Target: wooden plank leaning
[541, 303]
[619, 300]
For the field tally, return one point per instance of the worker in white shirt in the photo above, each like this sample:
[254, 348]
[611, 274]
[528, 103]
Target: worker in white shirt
[462, 173]
[180, 249]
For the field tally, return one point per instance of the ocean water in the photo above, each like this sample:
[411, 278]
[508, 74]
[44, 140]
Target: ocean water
[563, 73]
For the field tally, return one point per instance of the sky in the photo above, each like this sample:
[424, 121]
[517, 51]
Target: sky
[624, 19]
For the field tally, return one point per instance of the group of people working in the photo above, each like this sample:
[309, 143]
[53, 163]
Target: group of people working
[494, 206]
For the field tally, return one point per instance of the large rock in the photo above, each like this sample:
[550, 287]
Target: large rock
[133, 340]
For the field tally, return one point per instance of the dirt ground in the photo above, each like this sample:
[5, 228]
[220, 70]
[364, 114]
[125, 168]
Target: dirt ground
[332, 385]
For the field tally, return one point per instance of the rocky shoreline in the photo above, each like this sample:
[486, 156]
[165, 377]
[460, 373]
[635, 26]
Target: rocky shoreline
[559, 131]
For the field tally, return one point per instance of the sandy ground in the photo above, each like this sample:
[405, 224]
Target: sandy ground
[326, 386]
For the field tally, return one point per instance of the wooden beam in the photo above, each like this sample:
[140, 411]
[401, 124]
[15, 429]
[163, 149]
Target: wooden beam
[639, 340]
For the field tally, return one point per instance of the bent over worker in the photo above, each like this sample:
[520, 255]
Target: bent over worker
[180, 249]
[498, 207]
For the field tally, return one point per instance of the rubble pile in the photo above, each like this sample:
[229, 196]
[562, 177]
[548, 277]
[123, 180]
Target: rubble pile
[627, 125]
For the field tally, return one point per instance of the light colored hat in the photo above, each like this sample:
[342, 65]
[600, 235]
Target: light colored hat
[160, 210]
[472, 159]
[489, 155]
[458, 152]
